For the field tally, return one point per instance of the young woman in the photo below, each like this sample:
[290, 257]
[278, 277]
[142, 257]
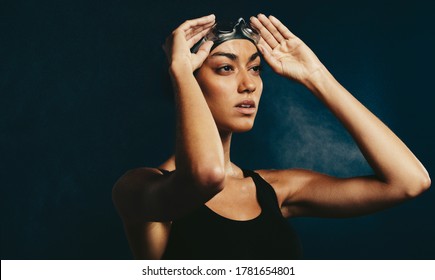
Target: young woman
[200, 205]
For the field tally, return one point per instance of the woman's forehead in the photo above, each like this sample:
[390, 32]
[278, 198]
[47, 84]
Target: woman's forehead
[236, 46]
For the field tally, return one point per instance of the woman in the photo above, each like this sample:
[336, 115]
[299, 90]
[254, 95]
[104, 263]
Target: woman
[200, 205]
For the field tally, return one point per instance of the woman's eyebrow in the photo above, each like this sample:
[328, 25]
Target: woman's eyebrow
[254, 56]
[229, 55]
[234, 57]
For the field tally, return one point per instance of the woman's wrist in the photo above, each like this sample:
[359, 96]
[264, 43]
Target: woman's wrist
[180, 70]
[319, 81]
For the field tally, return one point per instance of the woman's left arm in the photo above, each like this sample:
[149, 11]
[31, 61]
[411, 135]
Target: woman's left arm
[399, 175]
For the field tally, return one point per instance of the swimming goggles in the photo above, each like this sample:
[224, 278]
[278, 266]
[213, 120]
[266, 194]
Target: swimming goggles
[222, 32]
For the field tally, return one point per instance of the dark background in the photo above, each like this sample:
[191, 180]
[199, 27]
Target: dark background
[85, 97]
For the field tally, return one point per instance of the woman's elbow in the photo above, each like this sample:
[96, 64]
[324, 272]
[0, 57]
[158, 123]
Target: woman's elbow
[419, 185]
[425, 183]
[210, 180]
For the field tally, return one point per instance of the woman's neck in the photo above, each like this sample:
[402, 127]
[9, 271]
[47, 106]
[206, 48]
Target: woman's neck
[231, 169]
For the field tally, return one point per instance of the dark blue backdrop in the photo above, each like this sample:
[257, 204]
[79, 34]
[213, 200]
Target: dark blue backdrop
[85, 97]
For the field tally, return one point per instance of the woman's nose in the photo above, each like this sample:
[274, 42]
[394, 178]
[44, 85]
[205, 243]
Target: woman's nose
[246, 83]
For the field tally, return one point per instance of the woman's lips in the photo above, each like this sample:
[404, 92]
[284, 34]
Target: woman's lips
[246, 107]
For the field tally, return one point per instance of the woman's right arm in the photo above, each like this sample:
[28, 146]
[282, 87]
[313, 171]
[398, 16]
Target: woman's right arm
[144, 194]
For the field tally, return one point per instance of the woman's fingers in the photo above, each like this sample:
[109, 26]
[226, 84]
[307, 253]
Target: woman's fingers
[202, 53]
[263, 24]
[194, 29]
[193, 23]
[196, 34]
[189, 32]
[283, 30]
[265, 45]
[271, 29]
[266, 51]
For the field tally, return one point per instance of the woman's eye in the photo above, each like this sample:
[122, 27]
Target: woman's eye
[226, 68]
[257, 68]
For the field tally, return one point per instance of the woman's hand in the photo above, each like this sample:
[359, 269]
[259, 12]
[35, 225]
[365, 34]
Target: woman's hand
[178, 44]
[286, 54]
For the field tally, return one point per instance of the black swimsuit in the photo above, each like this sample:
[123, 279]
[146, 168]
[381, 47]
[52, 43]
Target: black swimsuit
[204, 234]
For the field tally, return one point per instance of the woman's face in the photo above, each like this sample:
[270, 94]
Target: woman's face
[231, 83]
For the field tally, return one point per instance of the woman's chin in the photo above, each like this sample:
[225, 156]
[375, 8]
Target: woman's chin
[237, 126]
[244, 127]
